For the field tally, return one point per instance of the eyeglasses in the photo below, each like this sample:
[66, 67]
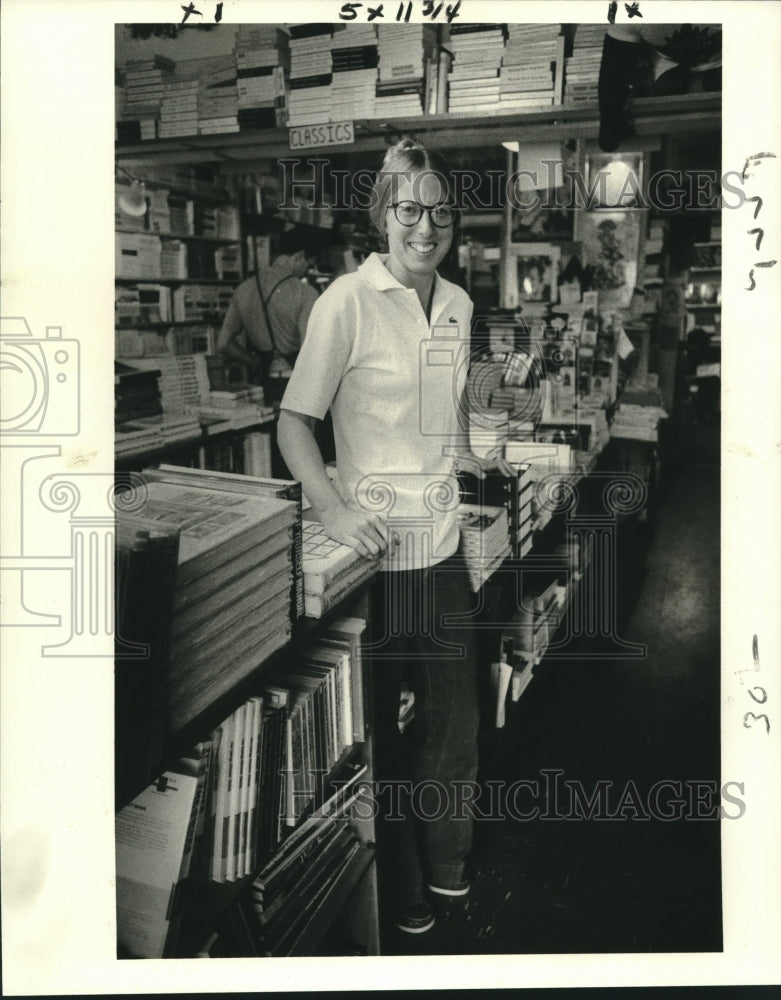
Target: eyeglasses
[409, 213]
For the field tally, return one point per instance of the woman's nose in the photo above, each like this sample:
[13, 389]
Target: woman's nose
[425, 225]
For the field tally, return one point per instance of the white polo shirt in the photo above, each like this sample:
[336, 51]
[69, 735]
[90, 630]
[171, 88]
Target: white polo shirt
[393, 382]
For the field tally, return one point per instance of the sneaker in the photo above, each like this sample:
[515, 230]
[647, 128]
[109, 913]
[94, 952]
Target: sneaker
[459, 888]
[415, 919]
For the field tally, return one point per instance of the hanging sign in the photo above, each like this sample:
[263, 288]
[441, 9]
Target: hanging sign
[327, 134]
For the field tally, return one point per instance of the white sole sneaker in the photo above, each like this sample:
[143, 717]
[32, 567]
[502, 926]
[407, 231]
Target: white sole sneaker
[460, 890]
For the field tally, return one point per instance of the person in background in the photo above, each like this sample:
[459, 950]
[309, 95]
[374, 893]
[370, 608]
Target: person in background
[386, 352]
[266, 322]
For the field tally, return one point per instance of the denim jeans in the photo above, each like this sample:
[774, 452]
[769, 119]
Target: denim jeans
[425, 775]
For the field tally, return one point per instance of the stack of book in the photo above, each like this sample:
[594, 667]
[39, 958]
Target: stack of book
[290, 890]
[184, 380]
[582, 67]
[317, 688]
[218, 99]
[473, 83]
[404, 52]
[532, 66]
[200, 302]
[485, 540]
[142, 303]
[144, 80]
[311, 71]
[130, 343]
[154, 433]
[158, 217]
[261, 66]
[173, 259]
[144, 586]
[543, 458]
[354, 60]
[179, 108]
[233, 408]
[227, 222]
[235, 576]
[136, 393]
[196, 339]
[514, 493]
[265, 487]
[137, 255]
[638, 421]
[331, 570]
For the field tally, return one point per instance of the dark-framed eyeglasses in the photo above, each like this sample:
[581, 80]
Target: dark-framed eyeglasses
[409, 213]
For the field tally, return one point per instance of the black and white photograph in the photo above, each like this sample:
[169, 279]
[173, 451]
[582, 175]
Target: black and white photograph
[407, 617]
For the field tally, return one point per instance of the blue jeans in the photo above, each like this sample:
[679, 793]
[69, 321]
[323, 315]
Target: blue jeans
[425, 776]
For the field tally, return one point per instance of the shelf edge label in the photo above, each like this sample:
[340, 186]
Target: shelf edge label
[326, 134]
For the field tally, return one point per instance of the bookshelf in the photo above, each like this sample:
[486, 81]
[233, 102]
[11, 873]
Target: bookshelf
[209, 911]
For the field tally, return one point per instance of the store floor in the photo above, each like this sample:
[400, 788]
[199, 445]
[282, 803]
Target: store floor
[563, 885]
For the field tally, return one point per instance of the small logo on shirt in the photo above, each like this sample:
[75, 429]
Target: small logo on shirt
[452, 320]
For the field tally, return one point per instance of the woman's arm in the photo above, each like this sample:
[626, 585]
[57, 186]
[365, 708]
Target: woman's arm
[365, 532]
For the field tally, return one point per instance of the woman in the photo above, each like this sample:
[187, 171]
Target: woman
[387, 351]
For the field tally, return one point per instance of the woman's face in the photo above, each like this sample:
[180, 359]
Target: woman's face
[417, 250]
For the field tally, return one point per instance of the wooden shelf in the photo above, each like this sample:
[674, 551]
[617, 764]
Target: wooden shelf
[165, 325]
[652, 116]
[190, 237]
[177, 281]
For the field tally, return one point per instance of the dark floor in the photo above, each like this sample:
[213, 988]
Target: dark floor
[613, 885]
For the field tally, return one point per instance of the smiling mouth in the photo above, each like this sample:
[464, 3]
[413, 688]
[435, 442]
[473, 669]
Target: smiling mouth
[423, 247]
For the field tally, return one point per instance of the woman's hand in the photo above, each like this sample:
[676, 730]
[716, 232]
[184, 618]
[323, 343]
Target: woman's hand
[489, 463]
[366, 533]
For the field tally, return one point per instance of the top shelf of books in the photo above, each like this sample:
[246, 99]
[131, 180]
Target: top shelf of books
[652, 116]
[455, 84]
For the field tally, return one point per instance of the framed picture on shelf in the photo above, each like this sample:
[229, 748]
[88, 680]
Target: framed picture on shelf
[532, 274]
[616, 180]
[611, 244]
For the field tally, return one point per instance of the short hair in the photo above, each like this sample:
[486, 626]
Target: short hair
[408, 156]
[291, 241]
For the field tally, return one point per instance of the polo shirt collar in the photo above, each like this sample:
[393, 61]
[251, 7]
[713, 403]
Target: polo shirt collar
[373, 269]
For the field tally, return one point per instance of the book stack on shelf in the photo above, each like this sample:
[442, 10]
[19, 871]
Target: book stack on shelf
[404, 51]
[200, 302]
[532, 66]
[144, 584]
[144, 303]
[485, 540]
[278, 489]
[136, 392]
[137, 255]
[174, 259]
[218, 99]
[289, 890]
[514, 493]
[311, 72]
[144, 89]
[235, 577]
[473, 81]
[184, 380]
[354, 59]
[331, 569]
[261, 791]
[638, 414]
[262, 61]
[179, 108]
[581, 74]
